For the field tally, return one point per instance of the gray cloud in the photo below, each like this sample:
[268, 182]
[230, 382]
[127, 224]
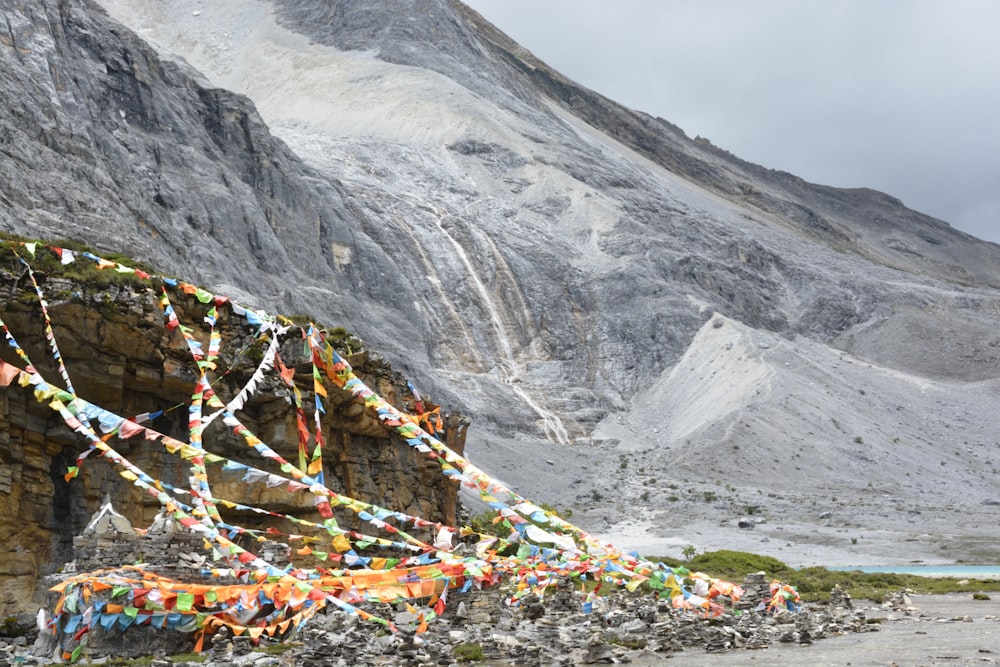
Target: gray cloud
[898, 95]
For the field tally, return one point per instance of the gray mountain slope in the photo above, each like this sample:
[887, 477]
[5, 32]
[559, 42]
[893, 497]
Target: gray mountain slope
[447, 37]
[536, 255]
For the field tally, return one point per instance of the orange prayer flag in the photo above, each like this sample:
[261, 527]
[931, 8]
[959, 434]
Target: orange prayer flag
[7, 373]
[385, 595]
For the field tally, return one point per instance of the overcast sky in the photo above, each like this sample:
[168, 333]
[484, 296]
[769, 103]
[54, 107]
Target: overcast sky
[901, 96]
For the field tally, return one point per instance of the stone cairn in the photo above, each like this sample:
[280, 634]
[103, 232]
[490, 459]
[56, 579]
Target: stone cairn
[108, 541]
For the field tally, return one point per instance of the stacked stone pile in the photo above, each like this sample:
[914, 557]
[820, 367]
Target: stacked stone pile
[622, 628]
[555, 631]
[840, 598]
[756, 592]
[108, 541]
[900, 602]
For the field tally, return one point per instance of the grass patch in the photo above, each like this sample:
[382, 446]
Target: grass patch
[631, 644]
[815, 583]
[83, 270]
[486, 524]
[735, 565]
[12, 627]
[469, 652]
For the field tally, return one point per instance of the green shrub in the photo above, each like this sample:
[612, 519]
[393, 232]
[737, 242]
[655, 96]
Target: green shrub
[483, 523]
[815, 583]
[735, 565]
[469, 652]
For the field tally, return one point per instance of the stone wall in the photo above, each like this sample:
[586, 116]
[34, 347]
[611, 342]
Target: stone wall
[121, 357]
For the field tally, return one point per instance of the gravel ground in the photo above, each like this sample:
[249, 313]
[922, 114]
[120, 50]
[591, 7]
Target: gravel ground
[950, 630]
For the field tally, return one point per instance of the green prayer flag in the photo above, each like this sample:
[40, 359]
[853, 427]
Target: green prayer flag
[184, 601]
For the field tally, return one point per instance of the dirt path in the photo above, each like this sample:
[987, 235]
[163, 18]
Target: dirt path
[951, 630]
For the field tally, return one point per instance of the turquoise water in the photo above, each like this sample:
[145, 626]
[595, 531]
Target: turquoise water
[957, 571]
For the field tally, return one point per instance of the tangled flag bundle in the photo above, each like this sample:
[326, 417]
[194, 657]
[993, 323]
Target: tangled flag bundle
[277, 601]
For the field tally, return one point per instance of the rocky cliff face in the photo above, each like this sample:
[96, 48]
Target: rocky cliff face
[533, 252]
[105, 140]
[121, 357]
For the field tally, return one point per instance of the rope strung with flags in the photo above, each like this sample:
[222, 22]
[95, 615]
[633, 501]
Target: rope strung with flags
[541, 547]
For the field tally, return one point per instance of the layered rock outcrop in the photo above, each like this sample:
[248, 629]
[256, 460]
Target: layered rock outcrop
[120, 356]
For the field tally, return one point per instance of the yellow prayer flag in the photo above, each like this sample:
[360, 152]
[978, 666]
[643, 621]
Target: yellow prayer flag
[341, 543]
